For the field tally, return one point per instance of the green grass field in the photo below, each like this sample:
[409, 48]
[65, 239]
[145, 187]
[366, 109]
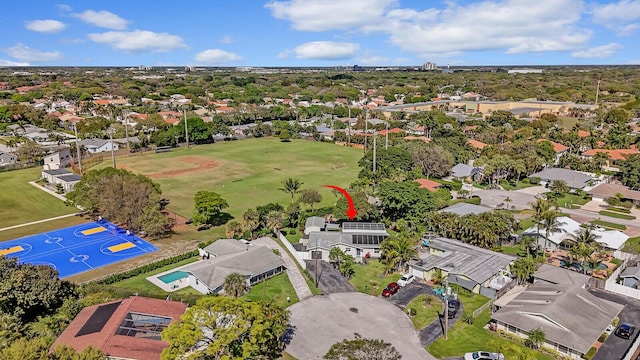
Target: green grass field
[21, 202]
[371, 279]
[275, 290]
[616, 215]
[247, 173]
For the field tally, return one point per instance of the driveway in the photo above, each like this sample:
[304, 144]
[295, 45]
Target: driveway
[615, 347]
[329, 279]
[320, 321]
[407, 293]
[494, 197]
[436, 329]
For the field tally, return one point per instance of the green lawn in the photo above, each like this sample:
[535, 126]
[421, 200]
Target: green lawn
[293, 238]
[426, 313]
[616, 215]
[274, 290]
[609, 225]
[570, 201]
[513, 250]
[41, 227]
[524, 183]
[525, 224]
[21, 202]
[632, 245]
[140, 281]
[247, 173]
[370, 279]
[465, 338]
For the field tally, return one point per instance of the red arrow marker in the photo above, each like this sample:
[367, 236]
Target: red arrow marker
[352, 212]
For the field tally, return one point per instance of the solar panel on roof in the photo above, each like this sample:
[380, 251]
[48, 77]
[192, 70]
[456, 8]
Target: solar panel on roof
[362, 226]
[367, 239]
[98, 319]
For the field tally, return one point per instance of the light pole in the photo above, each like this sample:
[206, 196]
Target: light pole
[386, 138]
[366, 130]
[125, 115]
[113, 155]
[349, 129]
[75, 130]
[446, 308]
[186, 127]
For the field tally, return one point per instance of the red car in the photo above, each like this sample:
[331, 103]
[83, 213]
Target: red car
[391, 289]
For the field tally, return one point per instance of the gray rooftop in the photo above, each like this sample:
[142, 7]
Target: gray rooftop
[56, 172]
[458, 258]
[254, 261]
[557, 275]
[461, 170]
[631, 271]
[327, 239]
[70, 178]
[94, 143]
[574, 179]
[225, 247]
[568, 315]
[316, 221]
[462, 209]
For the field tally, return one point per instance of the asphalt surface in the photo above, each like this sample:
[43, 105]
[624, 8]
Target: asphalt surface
[436, 329]
[323, 320]
[329, 279]
[407, 293]
[615, 347]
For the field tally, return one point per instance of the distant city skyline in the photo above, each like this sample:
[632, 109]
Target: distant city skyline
[320, 33]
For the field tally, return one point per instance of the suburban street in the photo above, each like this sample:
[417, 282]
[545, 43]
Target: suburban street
[615, 347]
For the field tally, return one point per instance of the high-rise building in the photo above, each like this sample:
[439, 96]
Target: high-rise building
[428, 66]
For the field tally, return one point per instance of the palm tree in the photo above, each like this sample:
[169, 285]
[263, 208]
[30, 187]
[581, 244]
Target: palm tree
[585, 243]
[523, 268]
[519, 167]
[291, 186]
[397, 250]
[529, 244]
[558, 187]
[274, 220]
[551, 225]
[539, 208]
[250, 221]
[235, 285]
[536, 338]
[233, 229]
[508, 201]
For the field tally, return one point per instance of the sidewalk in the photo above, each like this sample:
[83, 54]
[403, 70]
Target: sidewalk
[37, 222]
[295, 276]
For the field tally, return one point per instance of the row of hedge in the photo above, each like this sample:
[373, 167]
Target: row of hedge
[146, 268]
[619, 209]
[616, 215]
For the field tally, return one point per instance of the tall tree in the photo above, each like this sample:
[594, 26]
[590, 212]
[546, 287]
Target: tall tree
[535, 338]
[310, 197]
[523, 269]
[551, 225]
[233, 229]
[208, 206]
[227, 328]
[630, 171]
[291, 186]
[397, 250]
[250, 221]
[434, 160]
[235, 285]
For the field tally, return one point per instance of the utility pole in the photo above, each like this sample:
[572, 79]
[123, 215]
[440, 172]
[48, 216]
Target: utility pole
[186, 128]
[374, 160]
[597, 92]
[75, 130]
[349, 129]
[113, 156]
[446, 308]
[366, 130]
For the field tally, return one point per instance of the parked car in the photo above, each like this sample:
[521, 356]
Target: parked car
[391, 289]
[453, 307]
[406, 279]
[483, 355]
[625, 331]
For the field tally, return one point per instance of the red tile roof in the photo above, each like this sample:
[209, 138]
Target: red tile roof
[428, 184]
[391, 131]
[106, 339]
[101, 102]
[172, 121]
[557, 147]
[615, 154]
[582, 133]
[476, 144]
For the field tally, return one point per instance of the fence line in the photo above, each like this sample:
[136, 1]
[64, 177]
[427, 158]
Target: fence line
[482, 308]
[291, 249]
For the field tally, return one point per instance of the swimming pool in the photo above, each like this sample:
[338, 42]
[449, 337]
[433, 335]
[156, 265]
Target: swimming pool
[579, 267]
[173, 276]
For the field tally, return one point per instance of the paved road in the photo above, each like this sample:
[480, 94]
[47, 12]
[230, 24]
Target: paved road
[615, 347]
[329, 279]
[407, 293]
[295, 276]
[323, 320]
[592, 215]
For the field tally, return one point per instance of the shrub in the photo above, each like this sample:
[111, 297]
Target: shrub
[413, 312]
[534, 180]
[591, 353]
[276, 251]
[292, 231]
[467, 317]
[114, 278]
[602, 337]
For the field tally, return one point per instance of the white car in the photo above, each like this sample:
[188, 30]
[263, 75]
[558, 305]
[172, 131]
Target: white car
[483, 355]
[406, 279]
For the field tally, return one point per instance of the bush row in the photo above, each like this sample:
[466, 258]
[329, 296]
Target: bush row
[146, 268]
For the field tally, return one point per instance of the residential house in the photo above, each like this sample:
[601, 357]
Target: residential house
[126, 329]
[478, 145]
[574, 179]
[476, 269]
[64, 177]
[57, 160]
[558, 148]
[608, 190]
[428, 184]
[7, 159]
[465, 172]
[95, 146]
[631, 277]
[615, 155]
[357, 239]
[571, 317]
[255, 263]
[563, 239]
[462, 209]
[314, 224]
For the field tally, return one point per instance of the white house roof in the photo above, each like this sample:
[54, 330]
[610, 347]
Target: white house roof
[612, 239]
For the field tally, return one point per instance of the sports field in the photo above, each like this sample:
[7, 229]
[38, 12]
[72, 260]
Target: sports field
[78, 248]
[247, 173]
[21, 202]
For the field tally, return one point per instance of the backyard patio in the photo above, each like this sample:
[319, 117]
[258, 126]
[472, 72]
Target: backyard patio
[562, 258]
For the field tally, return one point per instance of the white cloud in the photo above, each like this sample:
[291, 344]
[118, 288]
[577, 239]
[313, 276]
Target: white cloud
[216, 56]
[45, 26]
[64, 7]
[102, 18]
[621, 16]
[25, 53]
[226, 39]
[12, 63]
[326, 50]
[139, 41]
[597, 52]
[323, 15]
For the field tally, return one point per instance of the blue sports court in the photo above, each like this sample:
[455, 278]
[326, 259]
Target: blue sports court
[78, 248]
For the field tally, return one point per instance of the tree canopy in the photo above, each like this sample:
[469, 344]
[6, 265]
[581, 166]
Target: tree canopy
[630, 171]
[208, 206]
[227, 328]
[362, 349]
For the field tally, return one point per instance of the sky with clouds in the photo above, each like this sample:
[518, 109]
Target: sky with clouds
[319, 32]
